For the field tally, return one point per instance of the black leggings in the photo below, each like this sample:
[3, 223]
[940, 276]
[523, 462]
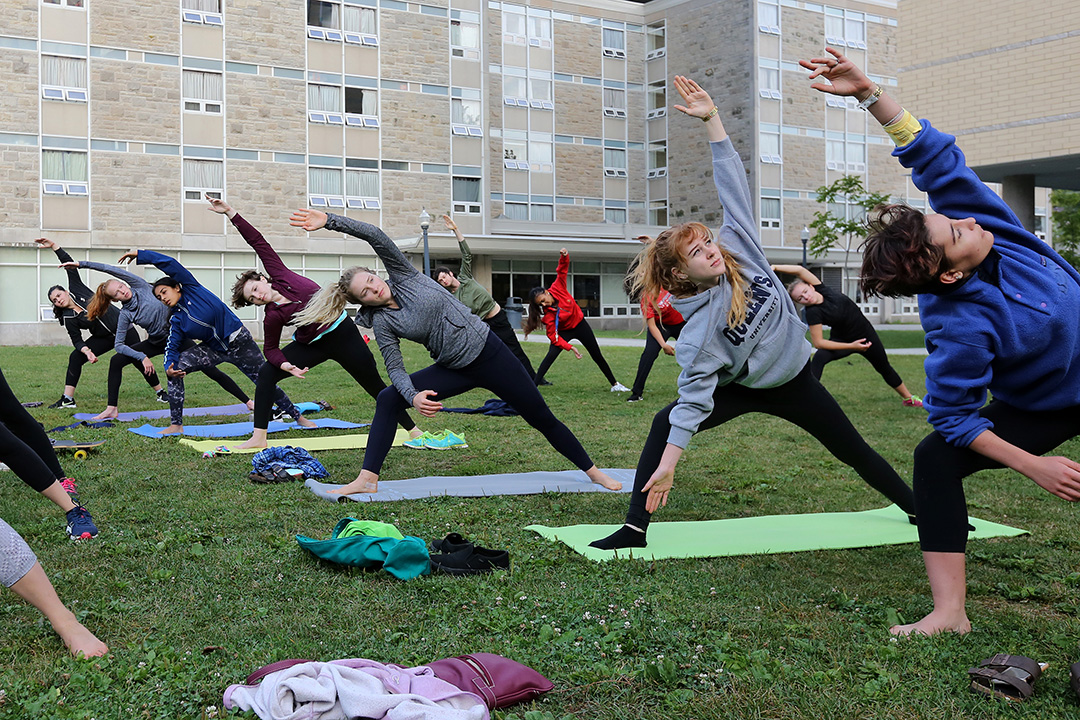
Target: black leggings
[24, 446]
[496, 369]
[584, 333]
[875, 354]
[802, 401]
[99, 346]
[153, 349]
[648, 355]
[940, 468]
[500, 325]
[345, 346]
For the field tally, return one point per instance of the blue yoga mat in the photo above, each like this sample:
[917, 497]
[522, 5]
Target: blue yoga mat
[530, 483]
[240, 429]
[237, 409]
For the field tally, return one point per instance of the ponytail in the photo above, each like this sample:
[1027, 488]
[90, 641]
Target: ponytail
[100, 303]
[532, 321]
[327, 305]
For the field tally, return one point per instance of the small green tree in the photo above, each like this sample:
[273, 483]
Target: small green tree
[1065, 216]
[841, 232]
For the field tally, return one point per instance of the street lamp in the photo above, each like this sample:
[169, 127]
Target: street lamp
[805, 237]
[425, 221]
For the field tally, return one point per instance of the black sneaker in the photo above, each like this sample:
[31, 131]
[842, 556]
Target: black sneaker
[281, 416]
[80, 526]
[64, 402]
[541, 382]
[633, 398]
[163, 396]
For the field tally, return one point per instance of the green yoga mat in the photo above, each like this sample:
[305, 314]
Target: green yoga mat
[311, 444]
[761, 535]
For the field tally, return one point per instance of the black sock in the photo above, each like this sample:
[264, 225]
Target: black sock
[624, 537]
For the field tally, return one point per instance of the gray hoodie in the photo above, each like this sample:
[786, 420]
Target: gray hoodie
[767, 350]
[142, 309]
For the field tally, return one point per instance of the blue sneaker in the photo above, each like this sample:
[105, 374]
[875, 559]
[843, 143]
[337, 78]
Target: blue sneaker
[80, 526]
[420, 441]
[448, 439]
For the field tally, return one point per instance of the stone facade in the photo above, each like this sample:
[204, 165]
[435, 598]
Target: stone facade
[21, 19]
[20, 193]
[266, 194]
[578, 109]
[405, 194]
[415, 126]
[135, 101]
[150, 25]
[577, 48]
[266, 113]
[19, 68]
[579, 171]
[260, 39]
[415, 47]
[135, 197]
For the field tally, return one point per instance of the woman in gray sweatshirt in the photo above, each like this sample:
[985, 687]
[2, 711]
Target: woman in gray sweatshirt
[743, 348]
[467, 353]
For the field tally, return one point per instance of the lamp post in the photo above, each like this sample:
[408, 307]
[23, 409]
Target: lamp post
[425, 221]
[805, 237]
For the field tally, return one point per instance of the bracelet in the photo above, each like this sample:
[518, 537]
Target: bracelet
[904, 130]
[870, 99]
[711, 114]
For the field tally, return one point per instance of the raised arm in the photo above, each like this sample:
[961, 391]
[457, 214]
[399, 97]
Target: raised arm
[168, 265]
[131, 279]
[465, 272]
[798, 271]
[69, 265]
[397, 265]
[271, 261]
[562, 269]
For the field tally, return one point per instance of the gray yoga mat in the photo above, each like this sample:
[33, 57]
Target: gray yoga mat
[530, 483]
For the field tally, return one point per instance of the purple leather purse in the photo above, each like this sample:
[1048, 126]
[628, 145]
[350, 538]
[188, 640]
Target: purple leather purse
[499, 681]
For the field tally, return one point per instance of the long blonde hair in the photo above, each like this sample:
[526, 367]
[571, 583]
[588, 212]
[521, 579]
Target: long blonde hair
[657, 263]
[326, 305]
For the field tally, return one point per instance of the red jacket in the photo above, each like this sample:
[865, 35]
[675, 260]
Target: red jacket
[669, 316]
[566, 313]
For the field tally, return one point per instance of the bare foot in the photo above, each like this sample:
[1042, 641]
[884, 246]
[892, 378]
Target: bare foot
[365, 482]
[934, 623]
[603, 480]
[80, 641]
[305, 423]
[251, 443]
[109, 413]
[172, 430]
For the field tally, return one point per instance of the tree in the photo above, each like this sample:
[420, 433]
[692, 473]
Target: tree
[831, 231]
[1065, 217]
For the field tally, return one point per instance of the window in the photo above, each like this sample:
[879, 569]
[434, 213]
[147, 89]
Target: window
[655, 41]
[542, 213]
[202, 92]
[203, 177]
[540, 92]
[540, 156]
[658, 212]
[614, 162]
[465, 112]
[657, 159]
[615, 215]
[464, 39]
[64, 172]
[539, 32]
[361, 189]
[361, 107]
[855, 156]
[656, 100]
[770, 147]
[514, 28]
[515, 87]
[769, 82]
[324, 104]
[324, 187]
[769, 18]
[614, 43]
[63, 78]
[324, 20]
[466, 195]
[770, 212]
[515, 154]
[614, 102]
[516, 211]
[205, 12]
[65, 3]
[845, 156]
[359, 25]
[845, 27]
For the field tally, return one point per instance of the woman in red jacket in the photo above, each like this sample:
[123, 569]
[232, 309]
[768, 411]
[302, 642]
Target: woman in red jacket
[556, 308]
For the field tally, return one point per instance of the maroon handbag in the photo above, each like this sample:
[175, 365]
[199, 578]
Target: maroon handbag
[499, 681]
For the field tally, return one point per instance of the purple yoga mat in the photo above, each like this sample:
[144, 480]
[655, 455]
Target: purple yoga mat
[237, 409]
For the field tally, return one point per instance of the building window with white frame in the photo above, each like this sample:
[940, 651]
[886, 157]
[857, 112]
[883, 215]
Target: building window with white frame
[769, 82]
[657, 158]
[516, 211]
[656, 102]
[204, 12]
[540, 96]
[845, 27]
[855, 156]
[770, 147]
[542, 213]
[515, 153]
[770, 212]
[655, 41]
[539, 31]
[769, 17]
[466, 112]
[202, 178]
[64, 172]
[658, 213]
[361, 106]
[513, 29]
[324, 20]
[614, 43]
[324, 104]
[66, 3]
[362, 189]
[614, 102]
[324, 187]
[834, 155]
[203, 92]
[541, 155]
[359, 25]
[515, 89]
[615, 215]
[63, 78]
[614, 162]
[466, 195]
[465, 39]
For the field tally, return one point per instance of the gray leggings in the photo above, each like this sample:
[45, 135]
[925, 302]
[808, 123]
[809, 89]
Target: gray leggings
[16, 557]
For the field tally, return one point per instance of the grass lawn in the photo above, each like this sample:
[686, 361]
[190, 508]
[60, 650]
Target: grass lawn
[196, 578]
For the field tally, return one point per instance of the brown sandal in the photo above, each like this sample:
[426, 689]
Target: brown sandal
[1009, 677]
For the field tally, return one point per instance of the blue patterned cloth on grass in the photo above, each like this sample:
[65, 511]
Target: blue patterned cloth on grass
[286, 457]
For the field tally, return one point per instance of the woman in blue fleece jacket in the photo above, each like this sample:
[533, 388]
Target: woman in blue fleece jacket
[1001, 312]
[198, 314]
[743, 348]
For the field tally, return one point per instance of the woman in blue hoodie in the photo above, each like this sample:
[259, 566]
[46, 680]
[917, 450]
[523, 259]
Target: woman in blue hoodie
[743, 348]
[198, 314]
[1001, 312]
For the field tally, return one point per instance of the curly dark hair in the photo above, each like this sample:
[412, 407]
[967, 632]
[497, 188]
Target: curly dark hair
[899, 259]
[238, 299]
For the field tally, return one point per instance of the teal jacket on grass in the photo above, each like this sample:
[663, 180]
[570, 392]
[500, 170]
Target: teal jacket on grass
[372, 545]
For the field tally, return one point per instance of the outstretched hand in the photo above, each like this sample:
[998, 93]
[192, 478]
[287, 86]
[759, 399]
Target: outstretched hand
[129, 257]
[658, 487]
[73, 265]
[845, 78]
[1057, 475]
[450, 224]
[298, 371]
[218, 205]
[310, 220]
[698, 103]
[46, 243]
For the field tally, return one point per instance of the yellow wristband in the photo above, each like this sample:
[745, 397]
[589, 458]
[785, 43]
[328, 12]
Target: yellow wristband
[904, 130]
[711, 114]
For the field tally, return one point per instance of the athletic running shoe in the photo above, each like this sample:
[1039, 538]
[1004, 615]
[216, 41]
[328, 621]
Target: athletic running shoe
[69, 486]
[447, 439]
[420, 441]
[64, 402]
[281, 416]
[633, 398]
[913, 401]
[163, 396]
[541, 382]
[619, 387]
[80, 525]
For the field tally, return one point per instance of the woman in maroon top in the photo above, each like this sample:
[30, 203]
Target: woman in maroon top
[283, 293]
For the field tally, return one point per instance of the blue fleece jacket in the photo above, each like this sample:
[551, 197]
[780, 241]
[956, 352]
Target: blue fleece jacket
[200, 314]
[1013, 328]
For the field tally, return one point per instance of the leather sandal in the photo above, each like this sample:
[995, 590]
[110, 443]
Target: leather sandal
[1009, 677]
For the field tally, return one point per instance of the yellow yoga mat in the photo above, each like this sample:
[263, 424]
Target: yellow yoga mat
[356, 441]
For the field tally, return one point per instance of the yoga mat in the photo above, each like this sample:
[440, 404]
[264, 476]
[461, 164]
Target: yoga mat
[761, 535]
[237, 409]
[239, 429]
[530, 483]
[311, 444]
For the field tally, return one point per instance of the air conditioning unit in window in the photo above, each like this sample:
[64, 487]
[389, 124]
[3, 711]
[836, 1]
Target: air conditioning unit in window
[656, 54]
[614, 53]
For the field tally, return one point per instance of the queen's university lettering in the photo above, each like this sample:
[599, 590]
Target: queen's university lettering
[759, 294]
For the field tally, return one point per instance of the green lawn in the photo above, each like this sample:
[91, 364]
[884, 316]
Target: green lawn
[196, 579]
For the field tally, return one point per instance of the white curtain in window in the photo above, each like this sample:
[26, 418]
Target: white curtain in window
[615, 215]
[213, 6]
[464, 34]
[770, 144]
[360, 20]
[63, 165]
[361, 184]
[769, 78]
[324, 181]
[855, 153]
[834, 150]
[63, 71]
[514, 87]
[325, 98]
[768, 14]
[204, 174]
[202, 86]
[834, 26]
[614, 158]
[543, 213]
[540, 28]
[540, 89]
[540, 152]
[770, 208]
[614, 39]
[513, 23]
[516, 211]
[615, 98]
[466, 112]
[466, 190]
[855, 30]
